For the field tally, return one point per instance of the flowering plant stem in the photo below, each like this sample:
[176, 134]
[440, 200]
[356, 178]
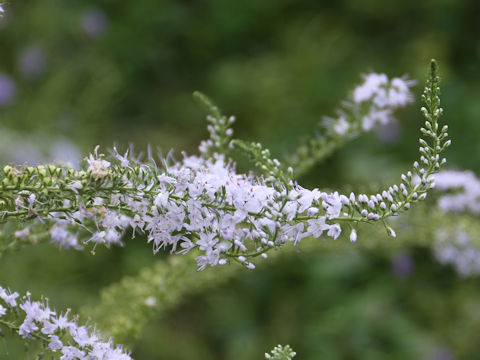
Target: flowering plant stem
[200, 207]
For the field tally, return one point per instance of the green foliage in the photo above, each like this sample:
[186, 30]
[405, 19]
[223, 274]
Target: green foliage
[126, 308]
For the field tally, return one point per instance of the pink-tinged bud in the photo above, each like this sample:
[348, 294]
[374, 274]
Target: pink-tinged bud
[353, 236]
[391, 232]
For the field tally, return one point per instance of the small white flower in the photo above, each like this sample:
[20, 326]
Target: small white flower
[123, 159]
[151, 301]
[11, 299]
[334, 231]
[391, 232]
[55, 343]
[97, 166]
[317, 226]
[77, 185]
[22, 234]
[341, 127]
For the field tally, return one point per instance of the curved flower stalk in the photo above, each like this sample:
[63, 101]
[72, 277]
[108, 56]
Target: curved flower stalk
[372, 103]
[59, 335]
[414, 185]
[201, 202]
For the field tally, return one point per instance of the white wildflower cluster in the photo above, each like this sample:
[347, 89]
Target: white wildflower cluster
[98, 167]
[198, 204]
[201, 203]
[466, 191]
[109, 226]
[60, 333]
[204, 204]
[217, 137]
[372, 103]
[455, 246]
[416, 183]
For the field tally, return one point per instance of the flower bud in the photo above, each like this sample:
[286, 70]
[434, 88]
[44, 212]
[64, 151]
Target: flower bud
[353, 236]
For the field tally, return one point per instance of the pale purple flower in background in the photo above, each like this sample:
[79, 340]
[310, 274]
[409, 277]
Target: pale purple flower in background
[32, 62]
[455, 247]
[341, 126]
[94, 23]
[63, 150]
[55, 343]
[4, 20]
[402, 265]
[389, 133]
[442, 354]
[26, 153]
[376, 116]
[372, 105]
[8, 90]
[467, 194]
[372, 85]
[37, 148]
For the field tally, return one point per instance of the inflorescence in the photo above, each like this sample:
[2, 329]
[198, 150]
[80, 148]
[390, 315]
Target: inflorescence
[201, 203]
[456, 244]
[372, 103]
[58, 333]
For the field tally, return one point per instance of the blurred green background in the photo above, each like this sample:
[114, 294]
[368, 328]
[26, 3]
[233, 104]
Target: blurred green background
[80, 73]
